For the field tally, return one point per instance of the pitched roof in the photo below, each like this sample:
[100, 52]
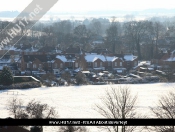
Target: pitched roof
[129, 57]
[61, 57]
[94, 57]
[66, 58]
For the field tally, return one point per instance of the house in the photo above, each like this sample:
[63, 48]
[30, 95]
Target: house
[65, 61]
[130, 61]
[103, 62]
[36, 63]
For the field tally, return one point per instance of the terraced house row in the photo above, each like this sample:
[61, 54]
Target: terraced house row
[43, 62]
[54, 63]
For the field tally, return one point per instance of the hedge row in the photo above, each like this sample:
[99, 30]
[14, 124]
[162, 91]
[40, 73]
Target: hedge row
[24, 85]
[22, 79]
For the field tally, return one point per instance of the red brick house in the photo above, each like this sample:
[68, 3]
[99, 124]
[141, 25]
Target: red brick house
[102, 61]
[66, 61]
[94, 61]
[55, 63]
[36, 62]
[130, 61]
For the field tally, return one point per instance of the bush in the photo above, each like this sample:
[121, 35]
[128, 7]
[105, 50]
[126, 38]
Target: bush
[49, 77]
[22, 79]
[25, 85]
[66, 76]
[80, 78]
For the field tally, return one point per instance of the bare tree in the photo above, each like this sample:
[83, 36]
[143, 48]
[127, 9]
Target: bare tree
[14, 107]
[135, 31]
[119, 103]
[165, 110]
[33, 110]
[113, 36]
[157, 30]
[96, 27]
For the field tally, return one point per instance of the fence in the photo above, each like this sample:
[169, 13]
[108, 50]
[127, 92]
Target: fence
[12, 92]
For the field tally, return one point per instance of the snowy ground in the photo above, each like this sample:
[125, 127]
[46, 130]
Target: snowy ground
[79, 102]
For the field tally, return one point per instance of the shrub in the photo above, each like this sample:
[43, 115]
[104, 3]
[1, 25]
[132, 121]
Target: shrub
[66, 76]
[25, 85]
[22, 79]
[80, 78]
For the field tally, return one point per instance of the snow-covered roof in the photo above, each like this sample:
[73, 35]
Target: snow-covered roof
[94, 57]
[141, 63]
[62, 58]
[85, 71]
[171, 59]
[130, 57]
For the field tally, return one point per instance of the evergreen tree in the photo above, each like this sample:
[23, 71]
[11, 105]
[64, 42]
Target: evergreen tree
[80, 78]
[6, 76]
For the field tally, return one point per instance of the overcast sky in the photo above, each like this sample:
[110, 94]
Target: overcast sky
[88, 5]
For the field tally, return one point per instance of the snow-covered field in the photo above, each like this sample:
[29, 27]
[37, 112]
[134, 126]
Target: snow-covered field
[79, 101]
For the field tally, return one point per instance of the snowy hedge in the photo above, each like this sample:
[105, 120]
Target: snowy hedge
[21, 86]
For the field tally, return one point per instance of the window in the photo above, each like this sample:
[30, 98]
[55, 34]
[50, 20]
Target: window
[70, 63]
[115, 63]
[28, 65]
[109, 63]
[55, 65]
[120, 63]
[95, 64]
[101, 64]
[34, 66]
[61, 65]
[76, 64]
[89, 63]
